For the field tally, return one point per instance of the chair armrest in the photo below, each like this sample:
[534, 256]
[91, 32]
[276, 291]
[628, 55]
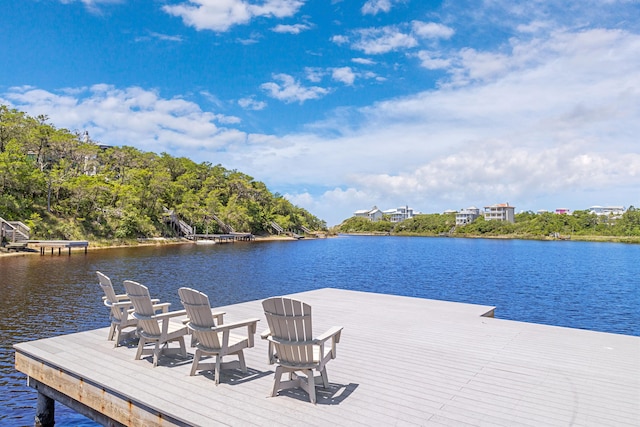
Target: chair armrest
[169, 315]
[250, 324]
[123, 304]
[265, 334]
[122, 297]
[164, 306]
[334, 331]
[235, 325]
[218, 316]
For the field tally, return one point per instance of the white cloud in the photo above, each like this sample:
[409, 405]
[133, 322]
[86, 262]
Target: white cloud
[314, 74]
[344, 75]
[93, 5]
[363, 61]
[431, 61]
[379, 40]
[431, 30]
[252, 104]
[131, 116]
[373, 7]
[220, 15]
[290, 29]
[340, 39]
[382, 40]
[289, 90]
[158, 36]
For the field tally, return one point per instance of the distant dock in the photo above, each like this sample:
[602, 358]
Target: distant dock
[43, 245]
[401, 361]
[224, 238]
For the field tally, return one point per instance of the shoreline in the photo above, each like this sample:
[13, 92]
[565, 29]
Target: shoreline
[575, 238]
[158, 241]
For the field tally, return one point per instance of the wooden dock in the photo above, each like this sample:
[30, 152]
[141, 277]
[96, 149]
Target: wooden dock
[401, 361]
[224, 238]
[43, 245]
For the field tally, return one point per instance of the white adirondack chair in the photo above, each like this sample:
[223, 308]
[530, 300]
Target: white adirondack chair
[119, 306]
[293, 347]
[212, 338]
[154, 328]
[120, 310]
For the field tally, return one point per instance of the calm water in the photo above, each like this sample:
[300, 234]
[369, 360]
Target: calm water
[581, 285]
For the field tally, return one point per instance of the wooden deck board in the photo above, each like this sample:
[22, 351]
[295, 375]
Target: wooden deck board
[401, 361]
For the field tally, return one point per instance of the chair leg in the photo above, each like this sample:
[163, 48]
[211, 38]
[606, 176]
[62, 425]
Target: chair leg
[196, 360]
[156, 353]
[276, 380]
[311, 385]
[183, 347]
[243, 365]
[217, 369]
[111, 332]
[141, 345]
[325, 378]
[117, 337]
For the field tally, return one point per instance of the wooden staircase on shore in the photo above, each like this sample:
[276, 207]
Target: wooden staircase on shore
[14, 231]
[181, 227]
[276, 227]
[14, 235]
[225, 227]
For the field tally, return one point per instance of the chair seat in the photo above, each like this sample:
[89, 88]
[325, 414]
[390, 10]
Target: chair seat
[174, 329]
[235, 340]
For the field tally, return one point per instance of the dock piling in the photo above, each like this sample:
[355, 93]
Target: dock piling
[45, 411]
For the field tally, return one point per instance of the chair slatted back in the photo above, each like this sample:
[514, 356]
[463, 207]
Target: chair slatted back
[290, 320]
[143, 308]
[107, 287]
[200, 318]
[111, 298]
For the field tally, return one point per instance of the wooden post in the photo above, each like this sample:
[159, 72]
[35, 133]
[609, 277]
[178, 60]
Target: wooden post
[45, 411]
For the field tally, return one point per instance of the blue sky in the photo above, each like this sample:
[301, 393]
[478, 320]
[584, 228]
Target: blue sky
[341, 105]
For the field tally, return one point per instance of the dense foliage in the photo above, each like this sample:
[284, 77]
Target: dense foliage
[65, 187]
[527, 225]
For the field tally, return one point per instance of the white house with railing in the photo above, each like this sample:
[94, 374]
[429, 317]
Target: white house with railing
[467, 216]
[400, 214]
[613, 211]
[500, 212]
[373, 214]
[394, 215]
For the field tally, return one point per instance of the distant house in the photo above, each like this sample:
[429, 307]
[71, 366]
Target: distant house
[373, 214]
[467, 216]
[500, 212]
[613, 211]
[400, 214]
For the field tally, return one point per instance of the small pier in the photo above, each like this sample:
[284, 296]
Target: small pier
[224, 238]
[43, 245]
[401, 361]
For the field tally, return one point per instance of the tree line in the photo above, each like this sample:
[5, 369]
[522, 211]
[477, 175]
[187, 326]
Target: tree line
[526, 225]
[64, 186]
